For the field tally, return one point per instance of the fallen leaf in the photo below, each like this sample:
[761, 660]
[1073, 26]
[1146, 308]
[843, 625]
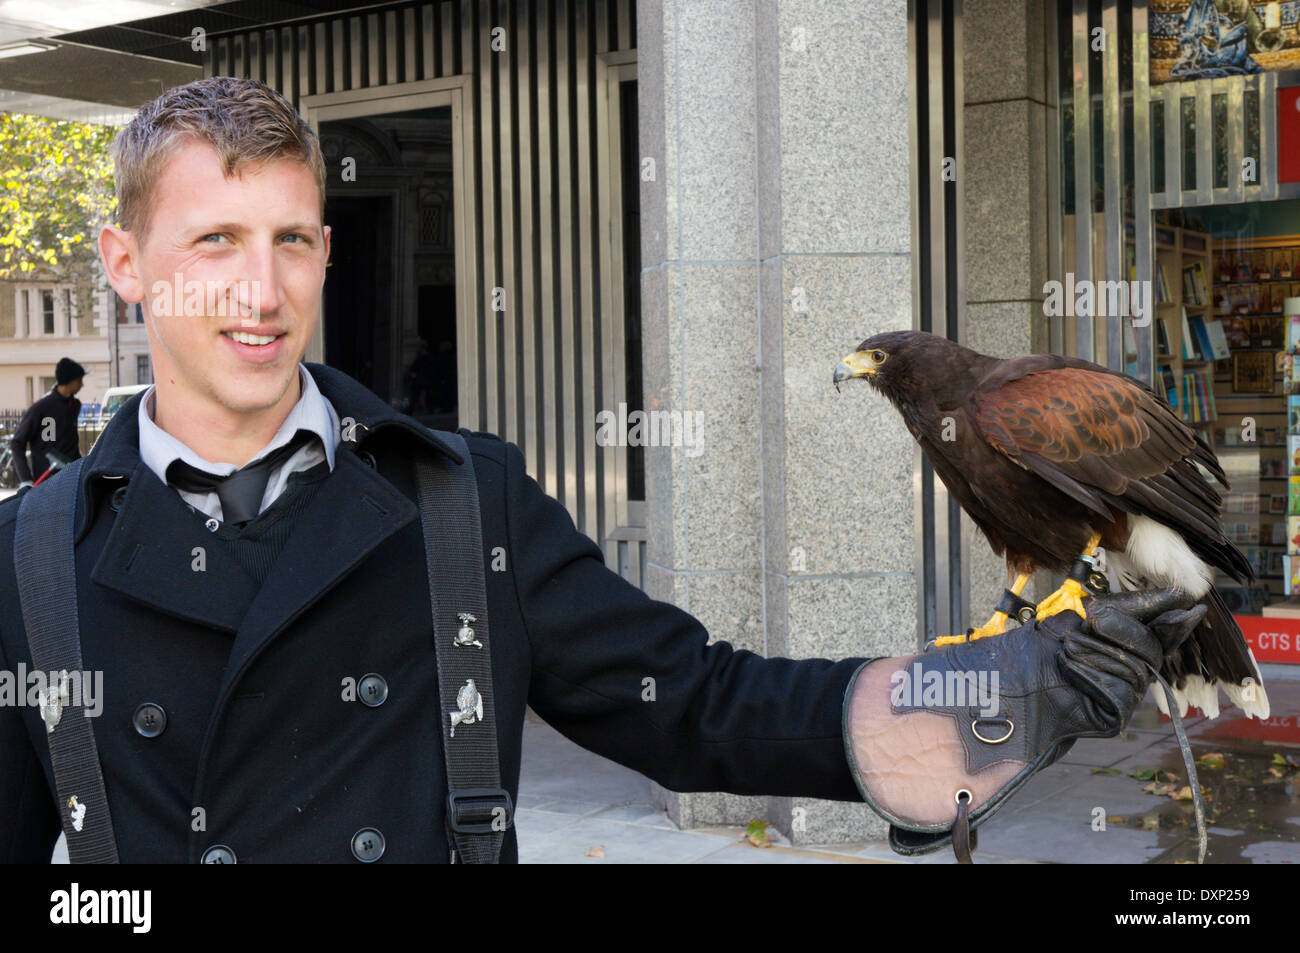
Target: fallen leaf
[1183, 794]
[1107, 771]
[756, 833]
[596, 851]
[1158, 789]
[1214, 760]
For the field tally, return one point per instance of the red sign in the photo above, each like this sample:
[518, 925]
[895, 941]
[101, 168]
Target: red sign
[1288, 134]
[1272, 639]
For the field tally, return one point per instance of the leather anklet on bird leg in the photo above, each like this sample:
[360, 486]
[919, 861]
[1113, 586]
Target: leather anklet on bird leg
[1084, 579]
[997, 623]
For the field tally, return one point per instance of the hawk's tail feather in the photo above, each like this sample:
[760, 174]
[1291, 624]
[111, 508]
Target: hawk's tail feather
[1215, 656]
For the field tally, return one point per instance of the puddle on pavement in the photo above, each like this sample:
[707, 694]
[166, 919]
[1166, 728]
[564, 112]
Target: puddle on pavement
[1252, 804]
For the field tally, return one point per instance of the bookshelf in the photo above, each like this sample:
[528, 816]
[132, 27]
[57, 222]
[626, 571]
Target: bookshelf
[1254, 277]
[1185, 296]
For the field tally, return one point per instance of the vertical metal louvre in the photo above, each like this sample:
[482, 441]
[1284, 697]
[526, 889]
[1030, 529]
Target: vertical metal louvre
[936, 97]
[543, 201]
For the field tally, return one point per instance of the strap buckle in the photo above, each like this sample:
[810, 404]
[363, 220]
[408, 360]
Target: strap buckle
[474, 810]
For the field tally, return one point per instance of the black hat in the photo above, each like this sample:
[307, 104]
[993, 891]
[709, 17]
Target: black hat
[68, 370]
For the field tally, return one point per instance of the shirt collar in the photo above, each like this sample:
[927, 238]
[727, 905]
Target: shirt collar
[312, 412]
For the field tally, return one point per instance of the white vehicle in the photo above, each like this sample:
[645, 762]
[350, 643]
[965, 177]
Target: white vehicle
[114, 398]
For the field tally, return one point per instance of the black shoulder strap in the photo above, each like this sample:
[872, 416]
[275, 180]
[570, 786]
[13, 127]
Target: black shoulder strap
[479, 810]
[47, 592]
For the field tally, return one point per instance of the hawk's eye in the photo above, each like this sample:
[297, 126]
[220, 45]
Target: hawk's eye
[878, 357]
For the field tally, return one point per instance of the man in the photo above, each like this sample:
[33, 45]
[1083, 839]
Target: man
[230, 630]
[50, 424]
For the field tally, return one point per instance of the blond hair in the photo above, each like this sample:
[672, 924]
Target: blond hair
[243, 120]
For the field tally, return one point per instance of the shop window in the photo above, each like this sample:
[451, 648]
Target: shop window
[1227, 335]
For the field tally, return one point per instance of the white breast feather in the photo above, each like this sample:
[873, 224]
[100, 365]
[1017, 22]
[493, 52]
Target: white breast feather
[1155, 557]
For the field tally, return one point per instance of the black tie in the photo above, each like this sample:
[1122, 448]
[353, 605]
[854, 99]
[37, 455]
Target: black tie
[241, 492]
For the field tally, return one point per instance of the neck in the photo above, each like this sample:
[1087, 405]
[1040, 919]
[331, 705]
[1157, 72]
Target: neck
[64, 389]
[215, 432]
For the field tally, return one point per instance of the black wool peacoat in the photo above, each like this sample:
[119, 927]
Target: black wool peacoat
[259, 741]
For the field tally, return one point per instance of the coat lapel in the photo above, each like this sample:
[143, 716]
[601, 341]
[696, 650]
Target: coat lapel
[176, 570]
[353, 512]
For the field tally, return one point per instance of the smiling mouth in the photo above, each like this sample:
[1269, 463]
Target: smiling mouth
[253, 340]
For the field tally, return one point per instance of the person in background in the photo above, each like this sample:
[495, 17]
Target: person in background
[50, 424]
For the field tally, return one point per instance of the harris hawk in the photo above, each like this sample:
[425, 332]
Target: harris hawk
[1052, 455]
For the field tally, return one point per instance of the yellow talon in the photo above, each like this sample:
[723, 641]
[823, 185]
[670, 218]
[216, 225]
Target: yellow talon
[1069, 596]
[996, 625]
[1071, 593]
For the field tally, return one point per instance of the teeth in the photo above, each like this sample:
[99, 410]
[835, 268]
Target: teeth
[243, 337]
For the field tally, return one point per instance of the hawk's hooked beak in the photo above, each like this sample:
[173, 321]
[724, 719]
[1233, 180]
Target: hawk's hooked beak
[856, 364]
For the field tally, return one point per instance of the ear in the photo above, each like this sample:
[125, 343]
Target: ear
[118, 252]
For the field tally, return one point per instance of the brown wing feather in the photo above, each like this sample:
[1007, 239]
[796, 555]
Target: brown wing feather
[1108, 441]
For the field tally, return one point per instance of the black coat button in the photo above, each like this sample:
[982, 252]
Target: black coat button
[366, 457]
[367, 845]
[372, 690]
[218, 854]
[150, 720]
[116, 500]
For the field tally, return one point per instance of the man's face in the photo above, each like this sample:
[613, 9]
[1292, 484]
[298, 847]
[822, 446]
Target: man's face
[258, 240]
[74, 386]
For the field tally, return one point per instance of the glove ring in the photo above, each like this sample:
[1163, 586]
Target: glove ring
[975, 722]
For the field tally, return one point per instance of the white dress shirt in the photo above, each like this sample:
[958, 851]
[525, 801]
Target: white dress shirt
[158, 448]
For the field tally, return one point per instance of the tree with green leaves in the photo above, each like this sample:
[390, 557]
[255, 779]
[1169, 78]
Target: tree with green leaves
[56, 192]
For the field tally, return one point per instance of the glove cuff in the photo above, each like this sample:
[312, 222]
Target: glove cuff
[911, 766]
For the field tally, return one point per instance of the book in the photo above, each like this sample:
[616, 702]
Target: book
[1162, 337]
[1166, 372]
[1194, 285]
[1189, 343]
[1217, 340]
[1201, 337]
[1200, 283]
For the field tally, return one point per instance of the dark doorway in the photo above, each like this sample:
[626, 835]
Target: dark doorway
[358, 289]
[433, 378]
[390, 203]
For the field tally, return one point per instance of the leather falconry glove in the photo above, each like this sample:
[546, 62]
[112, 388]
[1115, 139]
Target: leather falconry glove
[938, 742]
